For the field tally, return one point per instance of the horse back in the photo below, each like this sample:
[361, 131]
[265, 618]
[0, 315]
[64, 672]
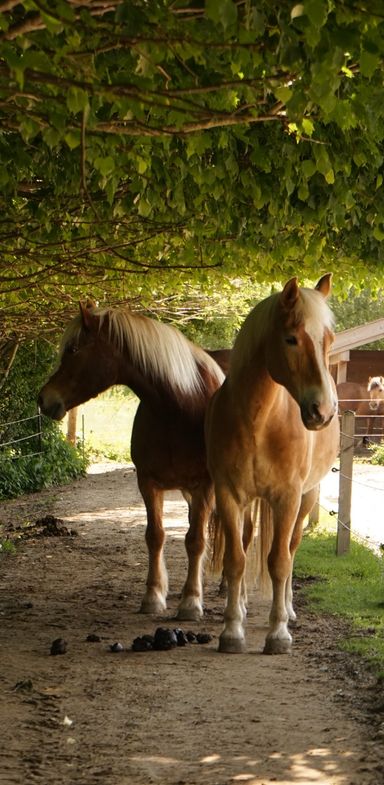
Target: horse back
[350, 394]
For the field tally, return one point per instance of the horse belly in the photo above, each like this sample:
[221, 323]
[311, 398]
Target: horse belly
[325, 448]
[169, 449]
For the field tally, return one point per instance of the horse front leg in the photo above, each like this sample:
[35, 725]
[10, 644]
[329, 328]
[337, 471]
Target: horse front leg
[155, 597]
[308, 501]
[200, 505]
[279, 639]
[232, 639]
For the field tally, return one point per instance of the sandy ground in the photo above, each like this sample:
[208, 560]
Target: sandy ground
[189, 716]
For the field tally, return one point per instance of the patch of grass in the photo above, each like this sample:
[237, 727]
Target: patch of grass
[352, 587]
[7, 548]
[108, 423]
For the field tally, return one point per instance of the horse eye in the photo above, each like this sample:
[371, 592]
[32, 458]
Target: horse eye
[291, 340]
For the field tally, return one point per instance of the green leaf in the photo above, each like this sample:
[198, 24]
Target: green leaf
[72, 139]
[309, 168]
[29, 128]
[144, 207]
[141, 164]
[308, 126]
[53, 25]
[224, 12]
[51, 137]
[368, 63]
[316, 11]
[77, 99]
[105, 165]
[283, 93]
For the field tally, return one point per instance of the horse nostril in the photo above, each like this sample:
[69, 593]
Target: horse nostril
[315, 412]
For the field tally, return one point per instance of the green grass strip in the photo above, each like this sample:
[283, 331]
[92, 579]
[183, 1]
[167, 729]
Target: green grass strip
[352, 587]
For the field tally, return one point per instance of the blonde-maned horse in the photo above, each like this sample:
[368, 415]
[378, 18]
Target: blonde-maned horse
[272, 434]
[174, 379]
[375, 391]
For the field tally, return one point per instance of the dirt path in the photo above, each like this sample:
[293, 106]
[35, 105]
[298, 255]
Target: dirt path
[189, 716]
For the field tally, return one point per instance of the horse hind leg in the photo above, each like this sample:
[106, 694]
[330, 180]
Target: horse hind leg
[191, 603]
[155, 597]
[248, 527]
[232, 639]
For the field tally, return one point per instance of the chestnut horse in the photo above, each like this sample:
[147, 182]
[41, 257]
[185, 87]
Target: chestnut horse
[375, 391]
[367, 401]
[272, 434]
[174, 380]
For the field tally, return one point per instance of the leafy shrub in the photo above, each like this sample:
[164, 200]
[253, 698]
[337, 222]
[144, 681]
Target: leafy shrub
[378, 454]
[58, 463]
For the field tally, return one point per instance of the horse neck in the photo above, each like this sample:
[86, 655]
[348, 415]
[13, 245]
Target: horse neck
[256, 392]
[157, 392]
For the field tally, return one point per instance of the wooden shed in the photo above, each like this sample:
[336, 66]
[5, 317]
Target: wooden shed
[348, 364]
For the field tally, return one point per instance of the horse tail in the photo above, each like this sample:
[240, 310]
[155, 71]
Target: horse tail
[216, 541]
[257, 540]
[263, 537]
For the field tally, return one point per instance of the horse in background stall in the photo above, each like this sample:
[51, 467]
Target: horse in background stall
[174, 380]
[375, 391]
[272, 434]
[367, 401]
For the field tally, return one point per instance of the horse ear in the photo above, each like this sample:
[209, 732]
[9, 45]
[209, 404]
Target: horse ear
[86, 316]
[324, 285]
[290, 294]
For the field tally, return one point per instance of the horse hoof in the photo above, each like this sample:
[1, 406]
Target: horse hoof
[189, 614]
[231, 645]
[277, 646]
[152, 606]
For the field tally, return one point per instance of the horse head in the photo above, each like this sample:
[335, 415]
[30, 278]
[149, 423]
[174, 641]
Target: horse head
[298, 357]
[376, 392]
[87, 365]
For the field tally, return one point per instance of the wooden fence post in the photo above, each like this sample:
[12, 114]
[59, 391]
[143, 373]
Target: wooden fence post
[347, 443]
[72, 425]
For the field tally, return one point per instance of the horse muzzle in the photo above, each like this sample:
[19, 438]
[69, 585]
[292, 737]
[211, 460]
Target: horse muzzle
[53, 408]
[314, 418]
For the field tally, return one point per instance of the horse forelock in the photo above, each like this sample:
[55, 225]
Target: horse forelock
[158, 350]
[71, 334]
[375, 383]
[315, 311]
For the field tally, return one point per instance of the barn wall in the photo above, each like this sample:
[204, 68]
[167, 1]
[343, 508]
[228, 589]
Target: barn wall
[364, 363]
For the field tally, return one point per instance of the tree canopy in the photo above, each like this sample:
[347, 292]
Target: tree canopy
[154, 149]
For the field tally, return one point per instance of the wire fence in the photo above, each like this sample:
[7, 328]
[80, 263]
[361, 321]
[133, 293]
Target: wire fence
[356, 492]
[21, 439]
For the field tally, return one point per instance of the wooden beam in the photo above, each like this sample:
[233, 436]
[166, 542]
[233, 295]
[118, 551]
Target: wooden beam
[357, 336]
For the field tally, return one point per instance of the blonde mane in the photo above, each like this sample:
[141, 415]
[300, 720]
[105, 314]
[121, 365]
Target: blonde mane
[158, 350]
